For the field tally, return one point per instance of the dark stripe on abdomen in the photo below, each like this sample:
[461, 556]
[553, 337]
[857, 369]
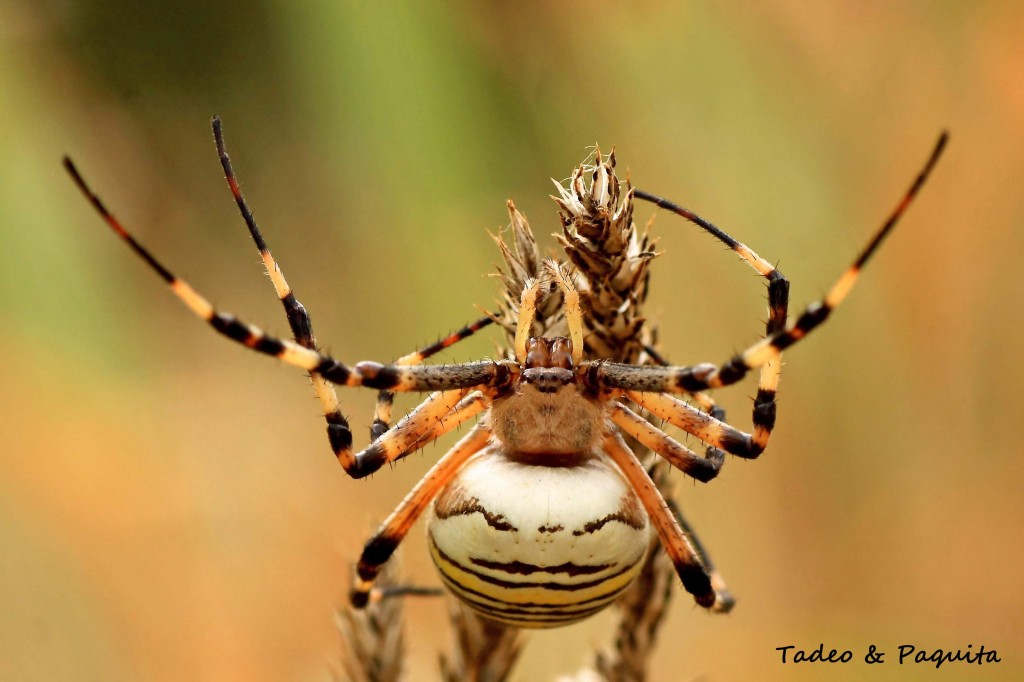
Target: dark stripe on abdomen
[530, 613]
[522, 568]
[511, 584]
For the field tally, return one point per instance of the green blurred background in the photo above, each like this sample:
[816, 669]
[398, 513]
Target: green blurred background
[169, 508]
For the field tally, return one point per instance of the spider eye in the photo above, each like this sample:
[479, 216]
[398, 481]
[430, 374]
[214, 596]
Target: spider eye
[548, 379]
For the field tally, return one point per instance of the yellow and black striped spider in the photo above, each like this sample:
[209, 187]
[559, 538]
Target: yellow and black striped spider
[541, 513]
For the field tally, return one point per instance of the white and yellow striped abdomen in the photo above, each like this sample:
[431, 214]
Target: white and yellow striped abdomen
[536, 545]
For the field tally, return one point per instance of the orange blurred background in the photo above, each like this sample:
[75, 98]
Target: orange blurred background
[169, 508]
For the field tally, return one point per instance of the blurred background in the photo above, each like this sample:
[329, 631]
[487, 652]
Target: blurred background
[169, 507]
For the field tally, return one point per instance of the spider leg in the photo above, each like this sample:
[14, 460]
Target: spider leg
[486, 374]
[678, 455]
[705, 401]
[778, 310]
[703, 425]
[394, 529]
[437, 415]
[386, 399]
[302, 331]
[724, 601]
[778, 285]
[694, 378]
[685, 558]
[298, 319]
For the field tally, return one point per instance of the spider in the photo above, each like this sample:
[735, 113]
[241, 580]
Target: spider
[541, 513]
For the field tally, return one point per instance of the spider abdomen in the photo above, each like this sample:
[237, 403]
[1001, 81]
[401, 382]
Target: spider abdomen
[535, 543]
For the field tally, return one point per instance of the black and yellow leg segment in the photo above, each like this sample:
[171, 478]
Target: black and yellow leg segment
[702, 425]
[778, 285]
[386, 399]
[441, 412]
[675, 453]
[298, 319]
[724, 599]
[684, 556]
[770, 349]
[648, 386]
[702, 400]
[287, 351]
[778, 309]
[385, 541]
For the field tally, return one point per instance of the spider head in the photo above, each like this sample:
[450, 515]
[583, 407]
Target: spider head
[546, 412]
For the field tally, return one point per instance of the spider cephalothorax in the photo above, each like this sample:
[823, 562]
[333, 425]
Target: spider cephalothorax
[541, 513]
[547, 411]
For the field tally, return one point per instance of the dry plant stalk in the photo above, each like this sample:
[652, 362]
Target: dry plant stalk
[373, 639]
[610, 269]
[482, 651]
[611, 262]
[600, 238]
